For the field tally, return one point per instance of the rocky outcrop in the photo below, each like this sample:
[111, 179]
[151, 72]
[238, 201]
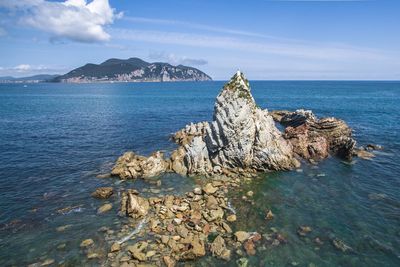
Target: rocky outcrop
[130, 166]
[314, 138]
[241, 138]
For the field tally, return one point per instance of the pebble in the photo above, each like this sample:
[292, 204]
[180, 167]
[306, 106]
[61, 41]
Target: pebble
[63, 228]
[93, 256]
[231, 218]
[104, 208]
[269, 215]
[61, 246]
[250, 194]
[197, 191]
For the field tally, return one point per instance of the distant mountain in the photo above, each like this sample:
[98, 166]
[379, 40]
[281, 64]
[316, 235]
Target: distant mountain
[132, 70]
[31, 79]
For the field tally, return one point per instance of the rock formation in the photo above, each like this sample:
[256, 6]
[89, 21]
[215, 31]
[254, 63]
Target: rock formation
[243, 139]
[131, 166]
[314, 138]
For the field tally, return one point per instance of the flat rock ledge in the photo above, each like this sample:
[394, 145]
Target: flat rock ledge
[313, 138]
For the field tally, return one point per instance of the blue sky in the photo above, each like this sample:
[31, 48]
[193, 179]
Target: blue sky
[266, 39]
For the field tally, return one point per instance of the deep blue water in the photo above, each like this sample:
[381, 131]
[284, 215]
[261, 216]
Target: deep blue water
[55, 139]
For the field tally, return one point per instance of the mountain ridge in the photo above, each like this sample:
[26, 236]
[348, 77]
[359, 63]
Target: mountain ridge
[132, 70]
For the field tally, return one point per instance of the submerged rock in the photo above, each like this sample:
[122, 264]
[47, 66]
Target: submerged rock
[304, 230]
[241, 236]
[269, 216]
[340, 245]
[218, 249]
[137, 250]
[363, 154]
[103, 192]
[104, 208]
[86, 243]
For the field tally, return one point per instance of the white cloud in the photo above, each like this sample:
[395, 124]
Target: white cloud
[76, 20]
[176, 60]
[23, 68]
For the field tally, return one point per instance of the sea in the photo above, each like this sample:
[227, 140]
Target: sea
[56, 139]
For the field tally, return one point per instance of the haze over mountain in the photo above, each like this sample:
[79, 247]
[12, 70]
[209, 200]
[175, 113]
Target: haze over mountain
[29, 79]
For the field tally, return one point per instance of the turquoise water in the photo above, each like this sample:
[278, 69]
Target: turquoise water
[55, 139]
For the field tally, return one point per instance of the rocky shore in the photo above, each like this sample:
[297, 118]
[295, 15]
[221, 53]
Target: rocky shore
[241, 141]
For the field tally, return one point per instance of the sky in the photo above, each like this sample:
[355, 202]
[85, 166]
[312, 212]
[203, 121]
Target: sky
[266, 39]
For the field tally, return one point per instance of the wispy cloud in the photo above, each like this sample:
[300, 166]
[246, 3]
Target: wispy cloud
[3, 32]
[288, 48]
[197, 26]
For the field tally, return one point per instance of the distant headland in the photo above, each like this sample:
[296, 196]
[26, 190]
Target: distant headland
[120, 70]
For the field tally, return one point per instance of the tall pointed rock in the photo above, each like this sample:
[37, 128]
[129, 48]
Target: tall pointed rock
[242, 137]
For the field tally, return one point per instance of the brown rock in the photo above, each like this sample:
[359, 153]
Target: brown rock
[313, 138]
[218, 249]
[115, 247]
[103, 192]
[211, 203]
[269, 215]
[133, 205]
[169, 261]
[241, 236]
[196, 249]
[137, 250]
[209, 189]
[250, 247]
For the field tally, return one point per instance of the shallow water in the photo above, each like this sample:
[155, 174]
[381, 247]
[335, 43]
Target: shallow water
[55, 139]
